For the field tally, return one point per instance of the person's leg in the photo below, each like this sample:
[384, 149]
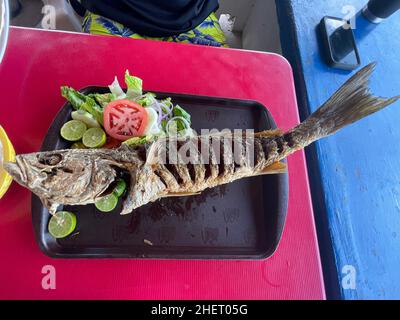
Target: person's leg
[96, 24]
[209, 32]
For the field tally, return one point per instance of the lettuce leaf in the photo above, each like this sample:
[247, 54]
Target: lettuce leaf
[103, 98]
[146, 99]
[137, 141]
[134, 86]
[116, 90]
[79, 101]
[178, 111]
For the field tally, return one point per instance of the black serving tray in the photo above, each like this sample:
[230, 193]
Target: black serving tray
[240, 220]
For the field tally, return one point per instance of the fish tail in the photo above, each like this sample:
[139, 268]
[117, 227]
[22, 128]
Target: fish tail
[352, 102]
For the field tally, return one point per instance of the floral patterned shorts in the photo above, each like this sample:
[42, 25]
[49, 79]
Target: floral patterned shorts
[208, 33]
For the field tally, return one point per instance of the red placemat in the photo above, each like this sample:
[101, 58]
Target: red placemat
[37, 63]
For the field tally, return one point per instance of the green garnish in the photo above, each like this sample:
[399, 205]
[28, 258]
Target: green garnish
[120, 188]
[178, 111]
[62, 224]
[137, 141]
[81, 102]
[103, 98]
[78, 145]
[94, 138]
[147, 99]
[134, 86]
[85, 117]
[73, 130]
[107, 203]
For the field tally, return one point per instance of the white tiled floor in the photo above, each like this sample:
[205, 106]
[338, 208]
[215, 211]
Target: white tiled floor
[256, 26]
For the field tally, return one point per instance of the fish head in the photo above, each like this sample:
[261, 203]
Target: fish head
[66, 176]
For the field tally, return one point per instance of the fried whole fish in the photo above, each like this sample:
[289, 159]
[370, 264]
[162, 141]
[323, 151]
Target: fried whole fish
[78, 177]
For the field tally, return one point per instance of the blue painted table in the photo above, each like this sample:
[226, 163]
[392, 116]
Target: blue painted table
[355, 174]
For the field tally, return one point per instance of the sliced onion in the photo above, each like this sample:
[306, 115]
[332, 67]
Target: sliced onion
[190, 132]
[152, 98]
[157, 108]
[164, 106]
[152, 126]
[140, 97]
[164, 112]
[184, 121]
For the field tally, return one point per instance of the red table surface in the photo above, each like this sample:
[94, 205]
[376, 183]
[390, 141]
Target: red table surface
[37, 63]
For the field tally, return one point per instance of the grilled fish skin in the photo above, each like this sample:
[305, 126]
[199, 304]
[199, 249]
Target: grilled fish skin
[84, 176]
[65, 177]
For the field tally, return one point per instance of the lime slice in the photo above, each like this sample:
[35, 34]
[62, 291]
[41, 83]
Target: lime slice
[107, 203]
[78, 145]
[86, 118]
[119, 188]
[73, 130]
[94, 138]
[7, 154]
[62, 224]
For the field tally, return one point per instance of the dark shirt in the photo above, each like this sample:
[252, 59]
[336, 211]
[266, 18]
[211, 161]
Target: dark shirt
[156, 18]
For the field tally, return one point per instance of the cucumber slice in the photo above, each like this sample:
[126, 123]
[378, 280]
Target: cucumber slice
[86, 118]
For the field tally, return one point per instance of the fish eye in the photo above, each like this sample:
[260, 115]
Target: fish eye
[49, 159]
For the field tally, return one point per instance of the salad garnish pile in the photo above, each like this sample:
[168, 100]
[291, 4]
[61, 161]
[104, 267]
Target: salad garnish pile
[131, 117]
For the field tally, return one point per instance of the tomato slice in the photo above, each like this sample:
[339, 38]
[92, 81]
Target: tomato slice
[124, 119]
[112, 143]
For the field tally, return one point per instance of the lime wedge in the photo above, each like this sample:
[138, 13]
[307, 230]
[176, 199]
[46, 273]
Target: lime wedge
[119, 188]
[107, 203]
[86, 118]
[78, 145]
[62, 224]
[73, 130]
[94, 138]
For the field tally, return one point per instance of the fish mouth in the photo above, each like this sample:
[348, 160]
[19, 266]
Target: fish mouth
[16, 170]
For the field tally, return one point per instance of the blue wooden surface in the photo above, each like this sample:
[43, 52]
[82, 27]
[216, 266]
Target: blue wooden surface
[355, 174]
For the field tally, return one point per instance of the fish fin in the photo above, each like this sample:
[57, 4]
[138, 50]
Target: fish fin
[275, 168]
[352, 102]
[51, 206]
[180, 194]
[268, 133]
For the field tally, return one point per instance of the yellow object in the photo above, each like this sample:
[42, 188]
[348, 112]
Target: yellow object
[7, 154]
